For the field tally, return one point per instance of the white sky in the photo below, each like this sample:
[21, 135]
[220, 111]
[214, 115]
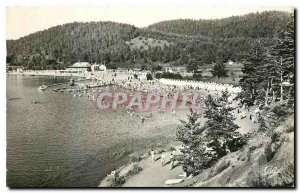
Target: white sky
[21, 21]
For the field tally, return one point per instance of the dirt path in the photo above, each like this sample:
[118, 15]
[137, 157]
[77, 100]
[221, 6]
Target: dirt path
[155, 175]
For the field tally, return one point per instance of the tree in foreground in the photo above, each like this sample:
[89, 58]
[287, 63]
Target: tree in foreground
[204, 145]
[221, 131]
[195, 157]
[268, 72]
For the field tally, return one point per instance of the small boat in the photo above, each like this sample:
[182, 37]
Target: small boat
[42, 88]
[173, 181]
[31, 74]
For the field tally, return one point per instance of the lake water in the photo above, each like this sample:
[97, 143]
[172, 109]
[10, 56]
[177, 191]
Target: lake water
[62, 141]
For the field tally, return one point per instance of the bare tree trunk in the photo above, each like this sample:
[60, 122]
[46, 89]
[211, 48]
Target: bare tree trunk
[274, 97]
[267, 94]
[273, 91]
[281, 80]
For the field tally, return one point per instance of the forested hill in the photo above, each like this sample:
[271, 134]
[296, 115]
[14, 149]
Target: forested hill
[72, 42]
[253, 25]
[179, 42]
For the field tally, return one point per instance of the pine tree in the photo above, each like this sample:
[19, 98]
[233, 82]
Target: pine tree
[219, 70]
[220, 128]
[283, 53]
[195, 157]
[254, 74]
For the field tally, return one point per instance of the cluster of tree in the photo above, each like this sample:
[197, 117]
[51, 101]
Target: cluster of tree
[268, 73]
[192, 42]
[204, 144]
[254, 25]
[219, 70]
[154, 54]
[168, 75]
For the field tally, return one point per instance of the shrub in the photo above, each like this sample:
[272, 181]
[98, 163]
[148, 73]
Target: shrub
[135, 170]
[172, 148]
[235, 144]
[149, 76]
[280, 111]
[118, 180]
[135, 158]
[197, 76]
[279, 114]
[219, 148]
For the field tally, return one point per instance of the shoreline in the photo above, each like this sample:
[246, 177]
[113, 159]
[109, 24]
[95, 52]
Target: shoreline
[132, 172]
[137, 162]
[45, 73]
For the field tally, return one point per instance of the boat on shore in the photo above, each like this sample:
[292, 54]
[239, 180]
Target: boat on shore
[42, 88]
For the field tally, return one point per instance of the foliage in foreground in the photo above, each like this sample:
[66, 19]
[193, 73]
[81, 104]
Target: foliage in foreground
[206, 144]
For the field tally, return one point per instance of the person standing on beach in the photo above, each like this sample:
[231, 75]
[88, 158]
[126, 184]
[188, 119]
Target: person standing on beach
[153, 155]
[114, 174]
[162, 158]
[253, 119]
[172, 161]
[143, 119]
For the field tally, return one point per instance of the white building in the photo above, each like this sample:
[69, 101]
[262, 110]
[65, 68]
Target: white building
[98, 67]
[79, 67]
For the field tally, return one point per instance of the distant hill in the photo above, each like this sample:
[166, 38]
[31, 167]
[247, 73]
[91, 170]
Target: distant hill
[253, 25]
[94, 41]
[122, 45]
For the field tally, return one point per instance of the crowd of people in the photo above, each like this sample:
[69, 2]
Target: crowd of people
[115, 80]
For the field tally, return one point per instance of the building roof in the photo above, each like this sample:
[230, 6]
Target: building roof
[81, 65]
